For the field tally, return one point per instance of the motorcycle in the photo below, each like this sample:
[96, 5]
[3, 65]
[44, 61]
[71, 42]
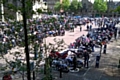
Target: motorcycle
[59, 65]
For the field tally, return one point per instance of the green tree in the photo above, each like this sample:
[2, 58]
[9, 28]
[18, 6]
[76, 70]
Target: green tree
[65, 5]
[75, 6]
[57, 6]
[39, 11]
[79, 5]
[100, 5]
[117, 9]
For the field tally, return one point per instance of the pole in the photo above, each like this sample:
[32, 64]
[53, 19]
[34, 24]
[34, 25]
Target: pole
[33, 75]
[26, 41]
[60, 72]
[2, 11]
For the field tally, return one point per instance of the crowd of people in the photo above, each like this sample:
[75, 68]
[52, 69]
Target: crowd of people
[12, 34]
[84, 45]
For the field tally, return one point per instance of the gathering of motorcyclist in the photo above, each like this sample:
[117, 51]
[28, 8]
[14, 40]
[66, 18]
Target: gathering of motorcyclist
[79, 52]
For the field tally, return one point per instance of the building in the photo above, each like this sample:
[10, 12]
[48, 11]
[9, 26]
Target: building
[11, 14]
[51, 4]
[16, 15]
[111, 6]
[86, 4]
[39, 5]
[89, 11]
[87, 8]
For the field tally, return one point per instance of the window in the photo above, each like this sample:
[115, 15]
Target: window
[84, 5]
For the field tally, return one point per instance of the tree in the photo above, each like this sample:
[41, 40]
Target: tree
[79, 5]
[57, 6]
[117, 9]
[62, 6]
[75, 6]
[39, 11]
[65, 5]
[100, 5]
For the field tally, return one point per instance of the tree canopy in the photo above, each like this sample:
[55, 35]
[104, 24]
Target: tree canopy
[57, 6]
[100, 5]
[117, 9]
[75, 6]
[65, 5]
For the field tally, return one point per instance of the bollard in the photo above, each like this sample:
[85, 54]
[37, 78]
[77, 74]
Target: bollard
[33, 75]
[60, 72]
[97, 61]
[104, 51]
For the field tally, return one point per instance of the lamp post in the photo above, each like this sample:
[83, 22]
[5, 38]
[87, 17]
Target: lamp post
[26, 41]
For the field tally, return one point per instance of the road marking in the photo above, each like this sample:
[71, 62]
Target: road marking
[86, 79]
[89, 68]
[86, 72]
[100, 77]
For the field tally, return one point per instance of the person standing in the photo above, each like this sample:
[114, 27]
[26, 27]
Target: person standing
[97, 60]
[86, 59]
[74, 62]
[115, 33]
[87, 27]
[119, 33]
[80, 28]
[104, 48]
[90, 27]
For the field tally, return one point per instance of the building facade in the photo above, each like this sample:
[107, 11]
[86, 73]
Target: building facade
[86, 10]
[51, 3]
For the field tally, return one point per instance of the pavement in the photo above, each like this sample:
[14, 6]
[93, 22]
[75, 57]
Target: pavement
[70, 36]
